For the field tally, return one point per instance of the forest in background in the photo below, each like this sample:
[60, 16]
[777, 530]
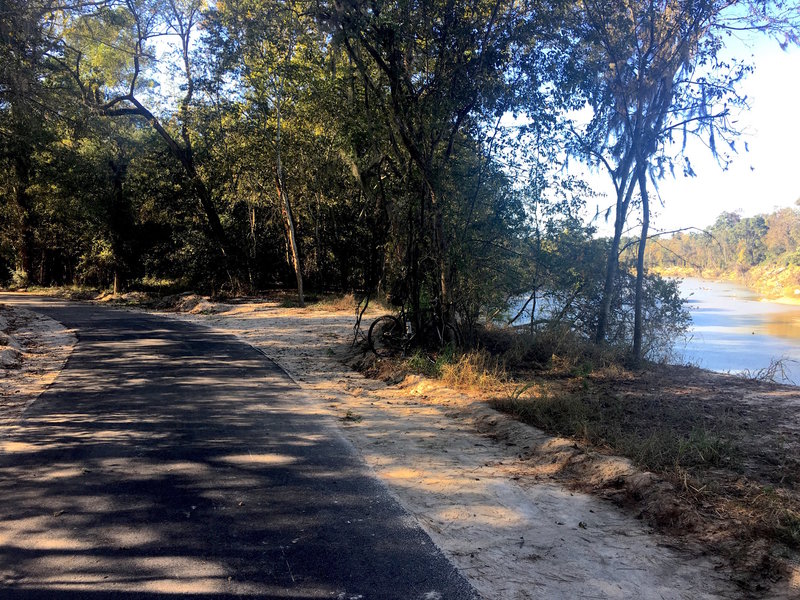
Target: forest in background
[762, 251]
[345, 145]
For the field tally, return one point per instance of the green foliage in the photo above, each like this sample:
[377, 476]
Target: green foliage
[245, 144]
[434, 365]
[421, 363]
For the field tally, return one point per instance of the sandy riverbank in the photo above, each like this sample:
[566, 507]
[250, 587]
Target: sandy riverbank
[768, 291]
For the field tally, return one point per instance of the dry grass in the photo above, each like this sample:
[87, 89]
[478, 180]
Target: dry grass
[478, 370]
[730, 447]
[333, 302]
[657, 437]
[71, 292]
[536, 405]
[337, 302]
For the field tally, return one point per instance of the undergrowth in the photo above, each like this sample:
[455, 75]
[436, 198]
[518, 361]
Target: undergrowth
[562, 391]
[476, 370]
[566, 386]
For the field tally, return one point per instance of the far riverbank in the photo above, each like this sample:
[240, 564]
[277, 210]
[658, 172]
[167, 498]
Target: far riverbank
[780, 284]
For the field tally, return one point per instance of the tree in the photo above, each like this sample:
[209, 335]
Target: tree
[782, 225]
[108, 50]
[651, 71]
[435, 70]
[275, 49]
[27, 52]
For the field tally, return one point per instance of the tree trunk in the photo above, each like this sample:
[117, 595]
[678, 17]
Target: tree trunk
[317, 242]
[22, 167]
[637, 321]
[533, 310]
[288, 221]
[286, 207]
[624, 195]
[441, 252]
[212, 216]
[120, 223]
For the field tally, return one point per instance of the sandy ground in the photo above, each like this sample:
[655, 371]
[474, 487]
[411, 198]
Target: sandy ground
[33, 350]
[482, 485]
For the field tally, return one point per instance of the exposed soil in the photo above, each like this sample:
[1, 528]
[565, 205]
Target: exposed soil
[734, 489]
[33, 350]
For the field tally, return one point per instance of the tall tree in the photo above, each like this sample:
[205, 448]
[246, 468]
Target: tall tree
[434, 69]
[28, 48]
[652, 71]
[109, 51]
[275, 51]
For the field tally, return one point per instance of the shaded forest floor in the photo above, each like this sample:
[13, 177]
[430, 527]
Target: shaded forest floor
[671, 482]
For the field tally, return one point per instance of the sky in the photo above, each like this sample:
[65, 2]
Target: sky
[758, 181]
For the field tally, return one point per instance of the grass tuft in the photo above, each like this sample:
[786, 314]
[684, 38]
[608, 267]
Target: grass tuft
[337, 302]
[474, 370]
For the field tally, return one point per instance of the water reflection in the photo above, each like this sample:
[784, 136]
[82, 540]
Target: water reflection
[788, 327]
[733, 330]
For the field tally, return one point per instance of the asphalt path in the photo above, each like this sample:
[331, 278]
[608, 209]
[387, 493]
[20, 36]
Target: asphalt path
[173, 461]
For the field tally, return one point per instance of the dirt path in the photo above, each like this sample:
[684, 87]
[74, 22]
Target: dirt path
[33, 349]
[480, 483]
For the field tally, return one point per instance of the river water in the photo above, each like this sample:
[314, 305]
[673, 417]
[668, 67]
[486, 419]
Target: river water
[732, 330]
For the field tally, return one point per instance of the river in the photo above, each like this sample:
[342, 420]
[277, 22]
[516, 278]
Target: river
[733, 330]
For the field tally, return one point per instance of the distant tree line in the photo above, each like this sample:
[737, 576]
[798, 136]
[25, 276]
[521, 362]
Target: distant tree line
[241, 145]
[734, 245]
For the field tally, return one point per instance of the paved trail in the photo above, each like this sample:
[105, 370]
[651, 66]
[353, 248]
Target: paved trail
[169, 461]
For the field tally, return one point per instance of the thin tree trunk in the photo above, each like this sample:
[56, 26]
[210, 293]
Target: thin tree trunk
[286, 210]
[288, 221]
[24, 265]
[637, 321]
[441, 250]
[612, 265]
[212, 216]
[120, 223]
[317, 242]
[252, 215]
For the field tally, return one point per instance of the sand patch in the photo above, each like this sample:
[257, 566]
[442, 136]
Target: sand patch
[33, 350]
